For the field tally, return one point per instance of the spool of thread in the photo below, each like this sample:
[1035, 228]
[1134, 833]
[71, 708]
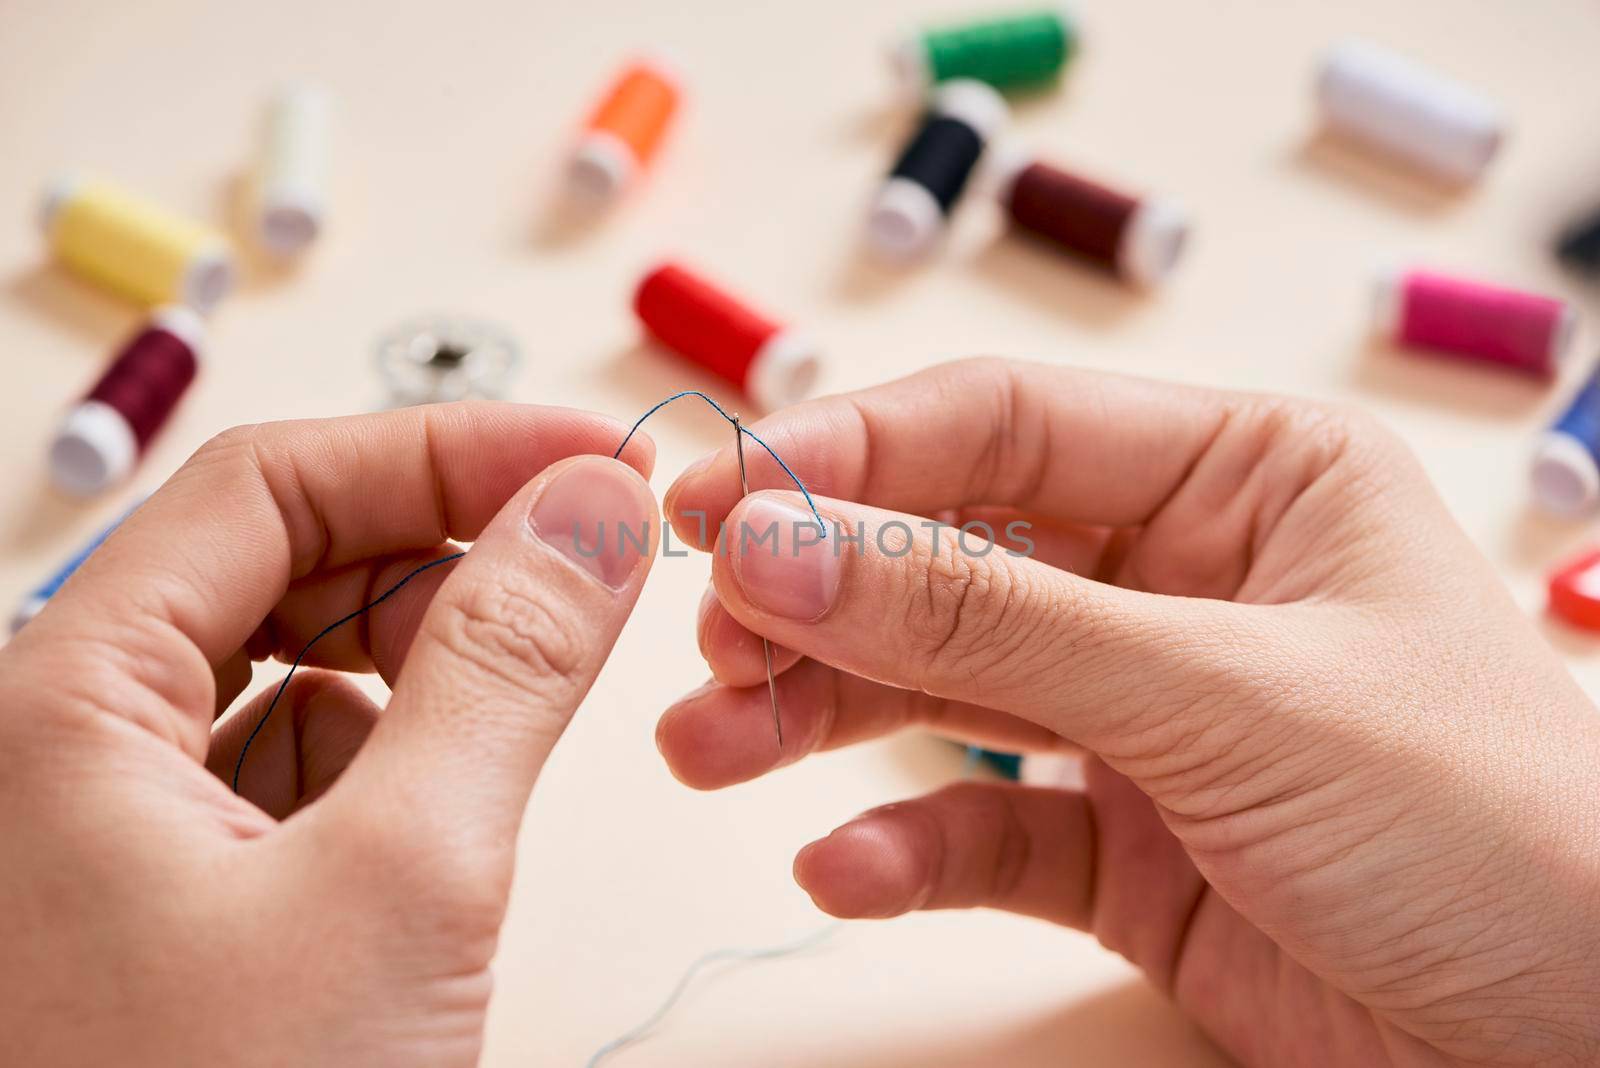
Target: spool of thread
[1579, 246]
[446, 358]
[910, 211]
[772, 364]
[1406, 111]
[1574, 590]
[1023, 49]
[1523, 331]
[134, 247]
[1566, 462]
[104, 435]
[40, 595]
[1062, 771]
[291, 187]
[625, 130]
[1139, 239]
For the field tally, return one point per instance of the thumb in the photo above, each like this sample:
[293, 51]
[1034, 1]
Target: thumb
[508, 648]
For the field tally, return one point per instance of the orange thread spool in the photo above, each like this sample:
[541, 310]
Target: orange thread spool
[625, 130]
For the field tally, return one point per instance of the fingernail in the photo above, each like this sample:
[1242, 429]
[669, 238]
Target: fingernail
[592, 514]
[781, 562]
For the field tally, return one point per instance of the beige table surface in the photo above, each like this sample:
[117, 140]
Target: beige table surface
[453, 121]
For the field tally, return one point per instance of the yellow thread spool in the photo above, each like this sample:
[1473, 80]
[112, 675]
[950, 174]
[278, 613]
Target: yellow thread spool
[134, 247]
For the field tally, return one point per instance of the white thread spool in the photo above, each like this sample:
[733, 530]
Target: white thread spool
[1407, 111]
[292, 171]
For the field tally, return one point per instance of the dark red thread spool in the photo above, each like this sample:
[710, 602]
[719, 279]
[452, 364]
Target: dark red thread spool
[1138, 239]
[770, 363]
[105, 434]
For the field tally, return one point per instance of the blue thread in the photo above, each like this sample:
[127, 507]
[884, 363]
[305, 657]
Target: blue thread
[329, 629]
[823, 527]
[640, 1030]
[969, 769]
[392, 590]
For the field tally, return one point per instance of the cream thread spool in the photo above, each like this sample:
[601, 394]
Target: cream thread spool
[1408, 112]
[291, 181]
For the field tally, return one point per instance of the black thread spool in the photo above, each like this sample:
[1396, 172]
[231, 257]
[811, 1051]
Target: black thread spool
[1579, 245]
[911, 209]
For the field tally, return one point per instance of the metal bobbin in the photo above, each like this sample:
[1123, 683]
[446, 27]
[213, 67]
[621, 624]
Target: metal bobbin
[446, 358]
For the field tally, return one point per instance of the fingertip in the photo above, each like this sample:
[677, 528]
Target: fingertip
[688, 744]
[639, 453]
[691, 500]
[868, 869]
[731, 650]
[707, 745]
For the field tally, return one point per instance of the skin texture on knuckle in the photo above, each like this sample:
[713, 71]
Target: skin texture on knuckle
[262, 467]
[516, 637]
[956, 611]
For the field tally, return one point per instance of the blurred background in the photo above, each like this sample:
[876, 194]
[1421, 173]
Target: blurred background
[452, 127]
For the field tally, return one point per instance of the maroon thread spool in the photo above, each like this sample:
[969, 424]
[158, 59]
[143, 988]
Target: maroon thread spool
[105, 434]
[1140, 240]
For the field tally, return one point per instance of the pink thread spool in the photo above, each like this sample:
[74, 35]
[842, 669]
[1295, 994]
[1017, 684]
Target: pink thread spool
[107, 431]
[1489, 323]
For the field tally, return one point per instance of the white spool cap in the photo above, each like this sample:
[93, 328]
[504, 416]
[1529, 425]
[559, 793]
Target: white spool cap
[1064, 771]
[908, 60]
[978, 104]
[182, 323]
[905, 221]
[56, 194]
[94, 449]
[1153, 241]
[602, 167]
[783, 372]
[1007, 160]
[30, 607]
[1408, 111]
[1566, 329]
[292, 172]
[208, 277]
[1564, 477]
[1386, 303]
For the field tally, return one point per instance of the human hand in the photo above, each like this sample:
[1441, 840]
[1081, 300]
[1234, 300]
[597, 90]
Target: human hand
[1341, 800]
[343, 908]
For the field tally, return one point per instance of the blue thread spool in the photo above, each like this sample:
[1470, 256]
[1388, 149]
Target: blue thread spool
[35, 601]
[1566, 464]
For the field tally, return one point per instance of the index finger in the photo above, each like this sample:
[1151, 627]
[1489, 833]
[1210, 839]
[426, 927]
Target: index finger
[208, 555]
[1076, 446]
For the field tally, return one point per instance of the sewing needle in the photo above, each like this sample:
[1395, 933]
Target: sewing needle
[766, 646]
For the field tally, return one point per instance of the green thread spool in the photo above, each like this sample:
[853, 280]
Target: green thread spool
[1009, 52]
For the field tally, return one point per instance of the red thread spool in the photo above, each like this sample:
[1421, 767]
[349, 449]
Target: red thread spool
[106, 433]
[772, 364]
[1138, 239]
[1575, 591]
[1524, 331]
